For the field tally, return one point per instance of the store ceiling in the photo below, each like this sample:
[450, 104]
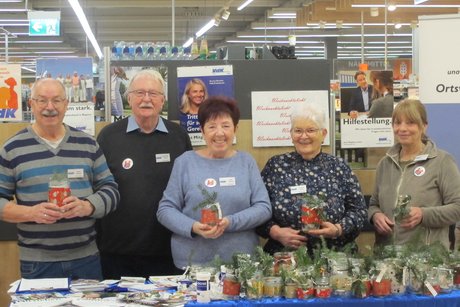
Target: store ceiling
[151, 21]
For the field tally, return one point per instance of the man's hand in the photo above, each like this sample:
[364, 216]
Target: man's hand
[75, 207]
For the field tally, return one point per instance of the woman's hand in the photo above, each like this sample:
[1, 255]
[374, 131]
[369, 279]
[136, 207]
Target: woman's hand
[327, 230]
[211, 232]
[382, 223]
[413, 219]
[287, 236]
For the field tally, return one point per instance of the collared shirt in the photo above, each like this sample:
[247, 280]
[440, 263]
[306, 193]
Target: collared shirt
[132, 125]
[365, 94]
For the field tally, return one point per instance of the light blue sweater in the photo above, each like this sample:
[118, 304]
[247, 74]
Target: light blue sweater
[245, 204]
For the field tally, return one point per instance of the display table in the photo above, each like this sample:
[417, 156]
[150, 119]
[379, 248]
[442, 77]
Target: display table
[442, 300]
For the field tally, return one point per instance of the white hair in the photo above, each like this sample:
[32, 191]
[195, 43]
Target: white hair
[155, 75]
[308, 111]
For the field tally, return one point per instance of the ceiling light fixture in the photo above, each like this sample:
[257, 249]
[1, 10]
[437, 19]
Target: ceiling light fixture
[225, 14]
[339, 24]
[391, 7]
[217, 21]
[427, 6]
[398, 26]
[37, 42]
[84, 23]
[205, 28]
[245, 4]
[13, 10]
[374, 11]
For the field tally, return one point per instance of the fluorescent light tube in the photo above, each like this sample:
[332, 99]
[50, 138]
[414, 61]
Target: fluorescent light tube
[205, 28]
[188, 43]
[245, 4]
[84, 23]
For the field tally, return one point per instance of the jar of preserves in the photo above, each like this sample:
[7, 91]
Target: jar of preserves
[431, 285]
[272, 286]
[340, 280]
[395, 272]
[211, 214]
[418, 266]
[381, 283]
[290, 289]
[306, 290]
[357, 266]
[361, 287]
[310, 216]
[323, 287]
[456, 271]
[446, 279]
[255, 287]
[282, 260]
[231, 287]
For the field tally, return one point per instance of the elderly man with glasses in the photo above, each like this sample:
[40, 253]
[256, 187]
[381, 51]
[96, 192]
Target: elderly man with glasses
[140, 151]
[55, 238]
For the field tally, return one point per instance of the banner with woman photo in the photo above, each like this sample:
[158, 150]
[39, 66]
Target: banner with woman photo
[194, 85]
[368, 127]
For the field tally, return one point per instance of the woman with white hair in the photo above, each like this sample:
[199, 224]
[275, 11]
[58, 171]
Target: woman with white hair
[309, 171]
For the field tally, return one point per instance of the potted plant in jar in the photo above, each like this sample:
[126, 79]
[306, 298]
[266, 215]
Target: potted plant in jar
[250, 276]
[312, 214]
[288, 278]
[361, 286]
[211, 212]
[265, 261]
[303, 273]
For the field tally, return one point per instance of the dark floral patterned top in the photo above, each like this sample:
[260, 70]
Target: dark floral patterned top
[325, 174]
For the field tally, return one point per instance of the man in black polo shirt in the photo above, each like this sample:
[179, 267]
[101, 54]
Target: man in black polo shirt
[140, 152]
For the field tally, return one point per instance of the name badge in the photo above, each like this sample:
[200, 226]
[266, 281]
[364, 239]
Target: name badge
[227, 181]
[161, 158]
[298, 189]
[75, 173]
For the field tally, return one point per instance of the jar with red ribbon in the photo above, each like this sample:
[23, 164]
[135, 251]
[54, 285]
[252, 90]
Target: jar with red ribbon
[311, 212]
[58, 189]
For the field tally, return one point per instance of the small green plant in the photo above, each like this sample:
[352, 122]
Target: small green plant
[302, 257]
[358, 287]
[246, 268]
[402, 208]
[58, 177]
[265, 261]
[209, 198]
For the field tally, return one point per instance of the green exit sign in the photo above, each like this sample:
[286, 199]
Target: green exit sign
[44, 27]
[44, 23]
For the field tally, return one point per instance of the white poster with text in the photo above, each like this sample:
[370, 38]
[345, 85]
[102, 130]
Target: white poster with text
[271, 113]
[364, 132]
[81, 117]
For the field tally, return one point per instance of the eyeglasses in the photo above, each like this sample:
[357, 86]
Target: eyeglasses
[309, 131]
[142, 93]
[54, 101]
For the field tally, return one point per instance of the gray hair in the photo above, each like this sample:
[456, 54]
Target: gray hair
[45, 80]
[308, 111]
[155, 75]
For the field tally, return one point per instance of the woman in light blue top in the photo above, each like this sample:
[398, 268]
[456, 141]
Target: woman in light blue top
[232, 175]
